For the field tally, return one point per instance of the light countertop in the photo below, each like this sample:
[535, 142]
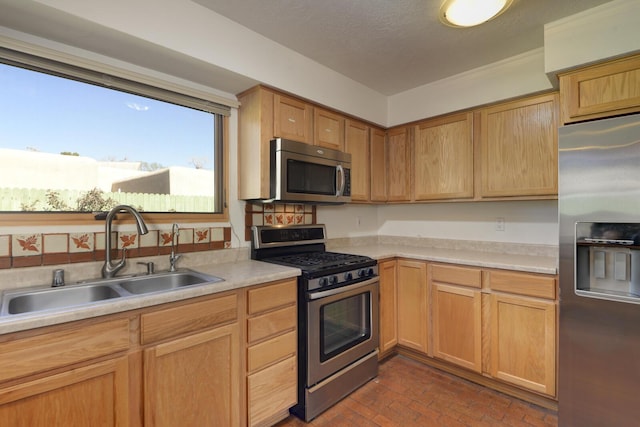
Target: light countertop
[242, 273]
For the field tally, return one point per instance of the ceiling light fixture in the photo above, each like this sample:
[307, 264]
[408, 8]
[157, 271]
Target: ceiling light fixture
[468, 13]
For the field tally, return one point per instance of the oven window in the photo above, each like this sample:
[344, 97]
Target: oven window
[310, 178]
[344, 324]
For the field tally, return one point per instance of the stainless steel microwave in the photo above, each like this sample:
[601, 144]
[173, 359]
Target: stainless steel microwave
[308, 173]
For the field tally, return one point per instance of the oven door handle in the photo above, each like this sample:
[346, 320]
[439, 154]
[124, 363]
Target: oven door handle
[342, 289]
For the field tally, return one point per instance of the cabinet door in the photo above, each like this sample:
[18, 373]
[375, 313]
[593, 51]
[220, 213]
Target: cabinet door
[523, 342]
[399, 165]
[357, 144]
[443, 159]
[519, 148]
[292, 119]
[93, 395]
[457, 325]
[328, 129]
[412, 305]
[378, 148]
[388, 305]
[272, 391]
[194, 381]
[602, 90]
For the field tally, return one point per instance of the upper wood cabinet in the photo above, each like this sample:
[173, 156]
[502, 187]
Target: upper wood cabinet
[328, 129]
[378, 151]
[519, 148]
[293, 119]
[443, 158]
[601, 90]
[399, 164]
[357, 144]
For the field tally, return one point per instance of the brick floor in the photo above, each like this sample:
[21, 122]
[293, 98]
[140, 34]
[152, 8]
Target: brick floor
[407, 393]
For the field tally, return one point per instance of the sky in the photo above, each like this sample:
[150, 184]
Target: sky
[50, 114]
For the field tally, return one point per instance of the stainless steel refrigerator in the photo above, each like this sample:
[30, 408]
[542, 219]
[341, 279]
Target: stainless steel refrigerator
[599, 217]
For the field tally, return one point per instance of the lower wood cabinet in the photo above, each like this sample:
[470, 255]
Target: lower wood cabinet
[228, 359]
[271, 351]
[93, 395]
[194, 380]
[413, 304]
[457, 315]
[387, 271]
[191, 377]
[523, 329]
[71, 375]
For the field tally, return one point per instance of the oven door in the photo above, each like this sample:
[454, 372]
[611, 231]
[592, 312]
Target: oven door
[342, 327]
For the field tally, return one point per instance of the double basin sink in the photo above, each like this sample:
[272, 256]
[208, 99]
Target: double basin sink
[32, 300]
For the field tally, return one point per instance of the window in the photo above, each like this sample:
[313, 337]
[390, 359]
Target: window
[75, 140]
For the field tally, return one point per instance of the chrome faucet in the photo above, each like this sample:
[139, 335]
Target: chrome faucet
[173, 258]
[109, 269]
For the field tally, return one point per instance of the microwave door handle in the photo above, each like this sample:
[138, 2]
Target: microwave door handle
[340, 173]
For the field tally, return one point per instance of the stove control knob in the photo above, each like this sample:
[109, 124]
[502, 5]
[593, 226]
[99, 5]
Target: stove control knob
[348, 276]
[370, 272]
[362, 272]
[333, 280]
[323, 281]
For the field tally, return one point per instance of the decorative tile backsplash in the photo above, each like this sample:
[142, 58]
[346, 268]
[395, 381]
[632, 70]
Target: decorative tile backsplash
[277, 214]
[34, 249]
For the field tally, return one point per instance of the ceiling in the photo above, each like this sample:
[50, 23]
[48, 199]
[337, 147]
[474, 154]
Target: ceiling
[395, 45]
[389, 46]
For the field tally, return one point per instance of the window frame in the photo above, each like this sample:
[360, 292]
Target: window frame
[39, 63]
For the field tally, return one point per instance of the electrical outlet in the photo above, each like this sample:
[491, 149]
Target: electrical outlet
[499, 224]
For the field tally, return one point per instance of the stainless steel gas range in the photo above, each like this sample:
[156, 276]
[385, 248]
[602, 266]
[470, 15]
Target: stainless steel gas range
[337, 313]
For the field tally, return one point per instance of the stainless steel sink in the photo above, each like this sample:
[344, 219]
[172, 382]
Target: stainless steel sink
[166, 281]
[31, 300]
[58, 298]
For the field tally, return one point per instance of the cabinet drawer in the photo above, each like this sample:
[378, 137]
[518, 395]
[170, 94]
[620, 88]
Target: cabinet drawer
[62, 348]
[188, 318]
[272, 296]
[272, 323]
[522, 284]
[267, 352]
[272, 390]
[456, 275]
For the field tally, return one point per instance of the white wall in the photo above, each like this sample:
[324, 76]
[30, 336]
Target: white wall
[603, 32]
[520, 75]
[533, 222]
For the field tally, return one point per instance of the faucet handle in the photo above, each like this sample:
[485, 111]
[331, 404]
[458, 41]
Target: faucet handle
[173, 259]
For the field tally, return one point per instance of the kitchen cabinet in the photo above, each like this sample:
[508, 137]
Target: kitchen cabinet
[357, 144]
[263, 115]
[387, 271]
[413, 304]
[192, 377]
[601, 90]
[71, 375]
[293, 119]
[329, 129]
[457, 315]
[519, 148]
[378, 150]
[443, 158]
[271, 352]
[399, 164]
[523, 330]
